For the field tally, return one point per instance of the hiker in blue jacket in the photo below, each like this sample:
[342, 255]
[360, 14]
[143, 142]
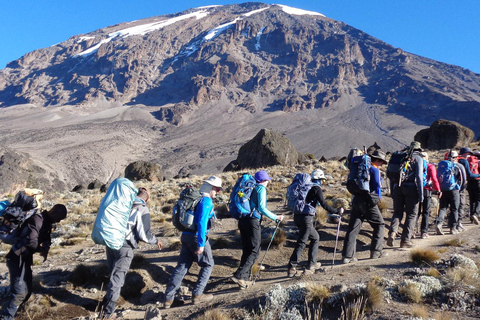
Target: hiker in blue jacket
[306, 227]
[119, 261]
[250, 229]
[196, 247]
[35, 236]
[406, 198]
[365, 207]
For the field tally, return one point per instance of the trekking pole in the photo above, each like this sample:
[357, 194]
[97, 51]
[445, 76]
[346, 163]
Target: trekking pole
[261, 263]
[336, 240]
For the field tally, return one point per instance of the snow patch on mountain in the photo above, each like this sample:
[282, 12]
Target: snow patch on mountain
[300, 12]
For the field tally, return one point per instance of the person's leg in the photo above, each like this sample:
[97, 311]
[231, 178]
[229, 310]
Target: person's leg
[184, 263]
[411, 209]
[205, 261]
[454, 204]
[426, 206]
[18, 286]
[253, 225]
[375, 218]
[303, 235]
[314, 238]
[398, 208]
[354, 227]
[121, 260]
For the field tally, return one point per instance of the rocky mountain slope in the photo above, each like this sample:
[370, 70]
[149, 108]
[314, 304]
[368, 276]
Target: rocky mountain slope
[188, 89]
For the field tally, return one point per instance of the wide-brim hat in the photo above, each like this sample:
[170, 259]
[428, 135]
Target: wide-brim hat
[416, 145]
[214, 181]
[262, 176]
[380, 155]
[318, 174]
[465, 150]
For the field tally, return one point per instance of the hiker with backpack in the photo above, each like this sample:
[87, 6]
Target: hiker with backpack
[309, 194]
[407, 193]
[431, 185]
[365, 207]
[34, 235]
[250, 229]
[196, 247]
[470, 163]
[452, 179]
[119, 261]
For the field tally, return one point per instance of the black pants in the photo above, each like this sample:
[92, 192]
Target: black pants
[462, 205]
[425, 212]
[20, 268]
[306, 231]
[449, 199]
[405, 199]
[473, 188]
[251, 234]
[364, 209]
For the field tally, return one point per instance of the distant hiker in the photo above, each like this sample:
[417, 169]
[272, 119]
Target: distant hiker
[250, 229]
[452, 180]
[365, 207]
[138, 229]
[196, 247]
[431, 186]
[406, 195]
[35, 236]
[306, 226]
[470, 163]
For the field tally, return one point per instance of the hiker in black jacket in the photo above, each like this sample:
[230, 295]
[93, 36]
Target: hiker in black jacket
[306, 227]
[35, 236]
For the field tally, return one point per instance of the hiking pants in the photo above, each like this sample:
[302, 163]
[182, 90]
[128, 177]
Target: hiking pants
[462, 205]
[306, 231]
[364, 209]
[118, 265]
[473, 188]
[405, 199]
[250, 231]
[20, 269]
[449, 198]
[185, 260]
[425, 212]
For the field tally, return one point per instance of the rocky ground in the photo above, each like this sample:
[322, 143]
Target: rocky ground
[69, 284]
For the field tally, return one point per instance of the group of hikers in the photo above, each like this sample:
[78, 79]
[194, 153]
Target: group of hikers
[413, 180]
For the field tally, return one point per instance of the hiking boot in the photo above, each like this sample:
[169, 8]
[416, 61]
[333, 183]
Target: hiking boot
[438, 229]
[311, 270]
[460, 227]
[378, 255]
[205, 297]
[167, 304]
[406, 244]
[391, 238]
[349, 260]
[292, 271]
[475, 220]
[242, 284]
[453, 231]
[425, 235]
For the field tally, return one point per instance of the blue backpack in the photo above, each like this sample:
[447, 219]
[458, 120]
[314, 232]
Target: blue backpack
[297, 194]
[358, 181]
[446, 176]
[239, 205]
[4, 205]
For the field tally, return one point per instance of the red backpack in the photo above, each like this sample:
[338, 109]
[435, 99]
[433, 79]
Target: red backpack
[473, 163]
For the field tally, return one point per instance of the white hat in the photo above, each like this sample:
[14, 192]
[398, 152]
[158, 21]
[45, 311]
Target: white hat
[214, 181]
[318, 174]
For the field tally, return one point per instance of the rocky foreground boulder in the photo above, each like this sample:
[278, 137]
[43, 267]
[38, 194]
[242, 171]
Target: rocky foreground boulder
[267, 148]
[144, 170]
[445, 134]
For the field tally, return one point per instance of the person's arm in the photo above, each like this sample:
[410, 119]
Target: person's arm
[143, 227]
[262, 203]
[202, 215]
[468, 173]
[432, 174]
[462, 177]
[321, 200]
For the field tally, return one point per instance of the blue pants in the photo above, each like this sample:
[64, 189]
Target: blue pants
[185, 260]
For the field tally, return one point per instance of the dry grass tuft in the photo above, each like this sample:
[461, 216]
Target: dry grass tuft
[220, 243]
[383, 206]
[466, 278]
[316, 292]
[442, 315]
[421, 256]
[411, 292]
[455, 242]
[432, 272]
[214, 314]
[374, 295]
[279, 239]
[321, 217]
[175, 245]
[73, 241]
[354, 310]
[420, 311]
[442, 250]
[169, 230]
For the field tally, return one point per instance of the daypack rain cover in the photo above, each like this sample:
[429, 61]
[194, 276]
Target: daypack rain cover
[110, 226]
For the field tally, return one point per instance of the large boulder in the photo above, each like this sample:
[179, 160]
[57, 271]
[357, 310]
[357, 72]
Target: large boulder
[445, 134]
[267, 148]
[144, 170]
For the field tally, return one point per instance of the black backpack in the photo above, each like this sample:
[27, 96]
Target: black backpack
[13, 217]
[395, 165]
[183, 216]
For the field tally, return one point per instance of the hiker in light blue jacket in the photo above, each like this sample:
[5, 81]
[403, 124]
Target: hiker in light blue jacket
[195, 247]
[250, 229]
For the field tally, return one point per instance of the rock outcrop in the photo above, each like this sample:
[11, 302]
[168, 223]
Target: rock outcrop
[144, 170]
[444, 134]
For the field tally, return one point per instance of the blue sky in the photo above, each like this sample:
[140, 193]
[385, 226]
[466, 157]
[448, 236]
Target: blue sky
[444, 30]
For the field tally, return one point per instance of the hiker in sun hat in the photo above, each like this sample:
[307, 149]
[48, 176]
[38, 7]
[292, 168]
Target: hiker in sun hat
[406, 195]
[250, 229]
[470, 163]
[196, 247]
[306, 227]
[365, 207]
